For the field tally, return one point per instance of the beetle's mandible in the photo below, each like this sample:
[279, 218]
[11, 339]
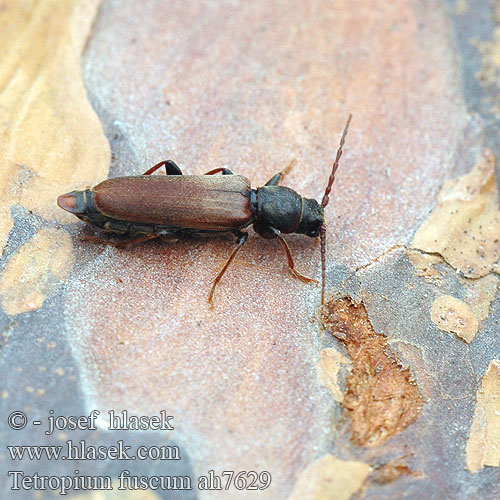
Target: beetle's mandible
[145, 207]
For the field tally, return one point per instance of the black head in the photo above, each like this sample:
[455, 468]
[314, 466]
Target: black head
[311, 219]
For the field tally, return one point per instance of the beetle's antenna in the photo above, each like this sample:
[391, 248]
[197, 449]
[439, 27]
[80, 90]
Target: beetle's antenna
[322, 235]
[324, 203]
[326, 198]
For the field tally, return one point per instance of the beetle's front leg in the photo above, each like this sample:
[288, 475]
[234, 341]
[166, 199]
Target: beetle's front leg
[291, 264]
[242, 238]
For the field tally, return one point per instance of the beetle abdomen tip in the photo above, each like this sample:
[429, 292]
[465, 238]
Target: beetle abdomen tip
[72, 202]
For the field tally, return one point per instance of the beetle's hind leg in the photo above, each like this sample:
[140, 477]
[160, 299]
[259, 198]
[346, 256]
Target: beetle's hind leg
[171, 168]
[242, 238]
[275, 180]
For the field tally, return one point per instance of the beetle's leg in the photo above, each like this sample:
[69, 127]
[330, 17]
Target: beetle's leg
[276, 179]
[120, 244]
[242, 237]
[171, 168]
[225, 171]
[291, 264]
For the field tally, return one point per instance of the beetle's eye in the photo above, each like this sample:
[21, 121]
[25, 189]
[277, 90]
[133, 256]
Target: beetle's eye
[313, 229]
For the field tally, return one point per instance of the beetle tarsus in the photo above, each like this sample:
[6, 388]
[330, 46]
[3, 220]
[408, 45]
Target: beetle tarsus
[242, 238]
[171, 168]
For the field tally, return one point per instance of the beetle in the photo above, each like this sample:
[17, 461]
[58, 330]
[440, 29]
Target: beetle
[145, 207]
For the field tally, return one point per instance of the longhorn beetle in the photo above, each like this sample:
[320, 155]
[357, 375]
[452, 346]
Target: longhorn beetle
[145, 207]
